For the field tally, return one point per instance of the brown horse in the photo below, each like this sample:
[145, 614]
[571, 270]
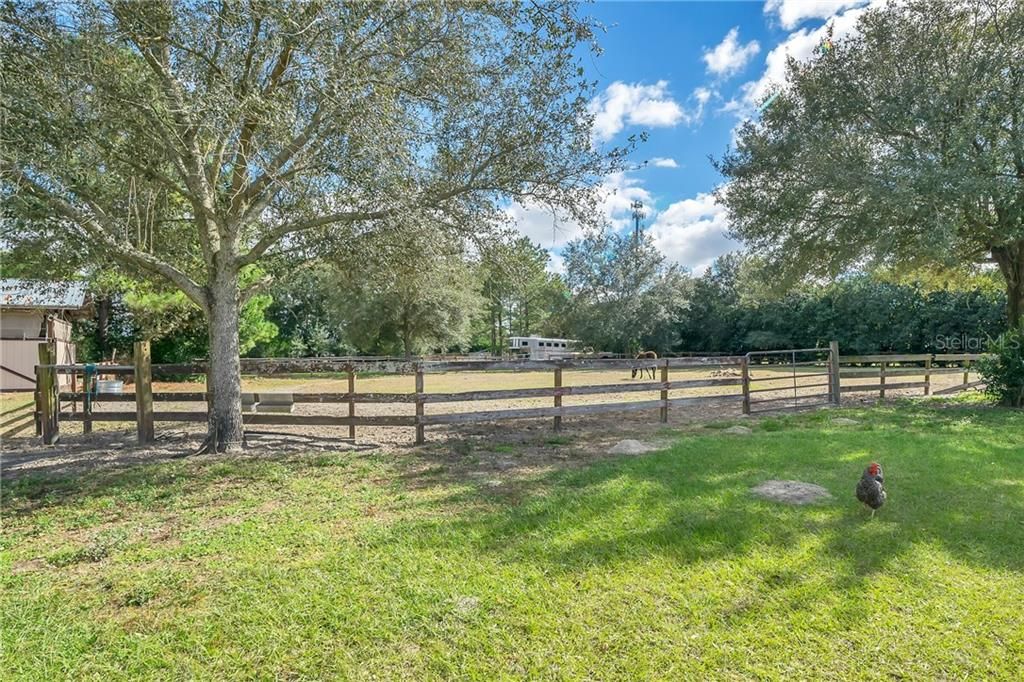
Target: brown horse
[645, 355]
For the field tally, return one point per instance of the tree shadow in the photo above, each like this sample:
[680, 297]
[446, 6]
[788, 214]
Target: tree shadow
[954, 478]
[692, 503]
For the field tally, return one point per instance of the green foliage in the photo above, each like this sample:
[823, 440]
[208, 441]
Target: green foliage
[1003, 368]
[253, 326]
[304, 315]
[190, 139]
[163, 134]
[864, 313]
[521, 294]
[625, 297]
[407, 290]
[899, 147]
[175, 326]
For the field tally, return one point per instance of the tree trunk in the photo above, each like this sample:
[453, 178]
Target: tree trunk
[225, 379]
[103, 326]
[494, 335]
[1010, 258]
[501, 331]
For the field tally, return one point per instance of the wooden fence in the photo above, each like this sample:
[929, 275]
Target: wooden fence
[822, 366]
[50, 401]
[16, 420]
[907, 372]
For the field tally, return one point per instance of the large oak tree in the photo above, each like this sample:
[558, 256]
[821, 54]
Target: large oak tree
[195, 140]
[901, 144]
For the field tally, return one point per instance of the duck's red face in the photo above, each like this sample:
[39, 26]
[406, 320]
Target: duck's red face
[873, 468]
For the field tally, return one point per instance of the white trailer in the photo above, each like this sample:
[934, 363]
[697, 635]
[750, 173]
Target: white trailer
[540, 348]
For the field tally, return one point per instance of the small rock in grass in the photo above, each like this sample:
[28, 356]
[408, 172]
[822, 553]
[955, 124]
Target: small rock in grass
[494, 483]
[791, 492]
[631, 447]
[845, 421]
[738, 430]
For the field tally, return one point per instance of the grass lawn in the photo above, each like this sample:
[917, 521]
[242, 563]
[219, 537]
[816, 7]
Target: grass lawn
[659, 566]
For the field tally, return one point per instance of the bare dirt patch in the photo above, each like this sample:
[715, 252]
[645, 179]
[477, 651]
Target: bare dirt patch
[631, 446]
[791, 492]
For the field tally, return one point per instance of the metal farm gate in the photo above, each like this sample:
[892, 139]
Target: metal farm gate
[791, 379]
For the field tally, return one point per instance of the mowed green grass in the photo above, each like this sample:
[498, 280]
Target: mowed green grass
[366, 566]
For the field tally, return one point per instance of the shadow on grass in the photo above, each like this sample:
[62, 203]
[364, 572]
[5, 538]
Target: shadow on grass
[955, 479]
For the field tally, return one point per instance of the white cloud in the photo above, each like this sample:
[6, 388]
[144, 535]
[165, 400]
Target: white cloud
[619, 191]
[729, 57]
[541, 225]
[556, 264]
[662, 162]
[623, 104]
[553, 231]
[792, 12]
[800, 45]
[692, 232]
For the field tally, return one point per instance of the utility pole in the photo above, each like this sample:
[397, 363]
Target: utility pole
[638, 215]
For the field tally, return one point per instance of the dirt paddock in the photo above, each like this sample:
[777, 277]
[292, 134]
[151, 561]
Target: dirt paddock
[528, 443]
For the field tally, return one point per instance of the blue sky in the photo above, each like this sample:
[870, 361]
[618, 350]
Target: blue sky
[687, 73]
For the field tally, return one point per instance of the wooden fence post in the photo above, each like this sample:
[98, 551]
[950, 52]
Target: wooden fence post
[664, 392]
[834, 383]
[143, 393]
[46, 387]
[87, 386]
[351, 401]
[419, 405]
[39, 406]
[745, 373]
[927, 376]
[967, 371]
[881, 382]
[558, 397]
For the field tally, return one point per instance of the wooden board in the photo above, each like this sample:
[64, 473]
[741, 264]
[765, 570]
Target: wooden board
[869, 372]
[807, 406]
[595, 389]
[571, 410]
[912, 357]
[250, 418]
[960, 387]
[789, 399]
[878, 387]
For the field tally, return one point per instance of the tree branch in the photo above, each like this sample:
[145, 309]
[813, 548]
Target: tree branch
[253, 198]
[249, 130]
[100, 228]
[275, 234]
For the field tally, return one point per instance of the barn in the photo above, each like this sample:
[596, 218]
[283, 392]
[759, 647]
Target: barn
[33, 312]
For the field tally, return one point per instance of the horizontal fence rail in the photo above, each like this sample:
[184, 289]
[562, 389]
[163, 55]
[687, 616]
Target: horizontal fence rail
[263, 367]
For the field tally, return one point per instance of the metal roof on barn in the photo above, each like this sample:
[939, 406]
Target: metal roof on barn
[24, 293]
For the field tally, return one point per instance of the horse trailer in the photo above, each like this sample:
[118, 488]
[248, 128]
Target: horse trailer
[540, 348]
